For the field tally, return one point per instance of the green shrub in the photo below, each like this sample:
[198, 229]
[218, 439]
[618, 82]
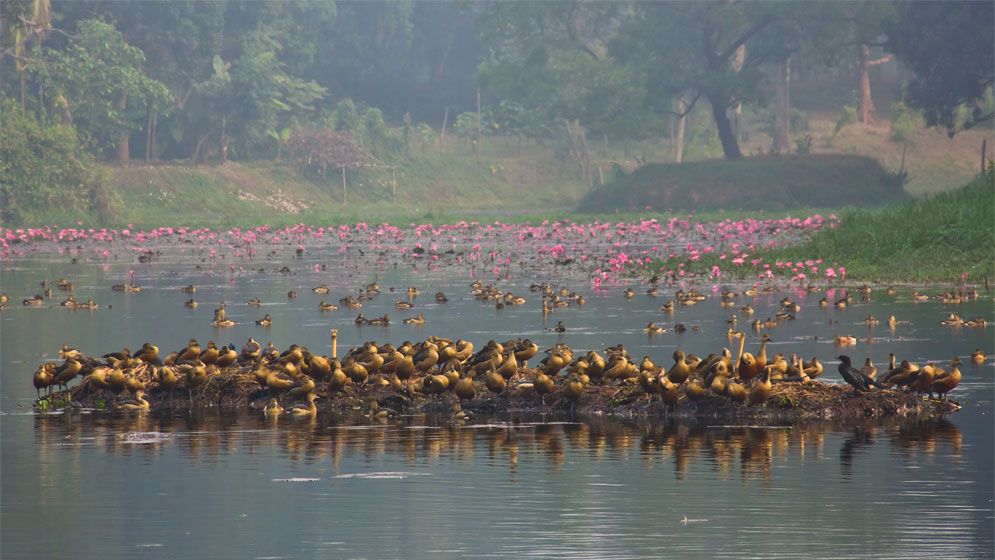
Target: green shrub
[43, 167]
[904, 122]
[848, 116]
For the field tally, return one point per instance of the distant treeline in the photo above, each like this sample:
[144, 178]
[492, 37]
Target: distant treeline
[234, 79]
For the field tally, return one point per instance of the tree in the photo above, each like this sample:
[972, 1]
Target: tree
[701, 48]
[950, 47]
[95, 75]
[42, 166]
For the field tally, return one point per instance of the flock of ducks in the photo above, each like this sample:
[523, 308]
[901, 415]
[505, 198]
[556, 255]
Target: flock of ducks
[439, 366]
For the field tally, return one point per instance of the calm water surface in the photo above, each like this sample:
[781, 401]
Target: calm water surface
[226, 485]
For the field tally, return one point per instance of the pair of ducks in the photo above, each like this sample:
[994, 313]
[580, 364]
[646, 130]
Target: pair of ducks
[274, 409]
[382, 321]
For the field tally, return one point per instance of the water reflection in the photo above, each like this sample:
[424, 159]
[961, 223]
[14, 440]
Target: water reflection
[747, 453]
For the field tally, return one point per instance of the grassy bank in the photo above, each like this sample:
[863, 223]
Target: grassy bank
[752, 183]
[934, 239]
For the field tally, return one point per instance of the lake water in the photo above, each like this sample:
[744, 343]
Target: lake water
[219, 484]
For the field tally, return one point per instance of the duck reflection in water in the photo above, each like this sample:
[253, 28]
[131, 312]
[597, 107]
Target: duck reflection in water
[207, 435]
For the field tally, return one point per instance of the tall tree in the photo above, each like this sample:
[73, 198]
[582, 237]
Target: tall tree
[96, 75]
[699, 48]
[950, 47]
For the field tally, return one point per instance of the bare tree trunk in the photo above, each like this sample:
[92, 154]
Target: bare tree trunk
[582, 134]
[730, 145]
[223, 140]
[122, 143]
[866, 104]
[737, 109]
[442, 137]
[155, 125]
[782, 136]
[345, 197]
[148, 135]
[682, 120]
[24, 87]
[195, 157]
[866, 113]
[480, 126]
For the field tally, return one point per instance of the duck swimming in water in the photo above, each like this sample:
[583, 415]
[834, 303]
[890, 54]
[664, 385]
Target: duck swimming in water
[302, 411]
[273, 408]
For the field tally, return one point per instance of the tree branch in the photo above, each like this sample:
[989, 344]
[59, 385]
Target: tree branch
[881, 60]
[971, 123]
[685, 113]
[757, 28]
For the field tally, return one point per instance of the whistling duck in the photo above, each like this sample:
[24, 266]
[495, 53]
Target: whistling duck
[543, 384]
[265, 321]
[629, 293]
[494, 382]
[824, 302]
[871, 320]
[279, 381]
[441, 298]
[869, 369]
[226, 356]
[322, 289]
[573, 389]
[465, 389]
[36, 301]
[652, 328]
[902, 375]
[760, 391]
[952, 320]
[255, 302]
[978, 356]
[680, 371]
[379, 321]
[892, 322]
[923, 382]
[191, 303]
[325, 306]
[67, 371]
[760, 360]
[273, 408]
[948, 381]
[304, 411]
[560, 327]
[418, 319]
[976, 322]
[292, 294]
[401, 304]
[43, 378]
[668, 306]
[845, 340]
[139, 403]
[814, 368]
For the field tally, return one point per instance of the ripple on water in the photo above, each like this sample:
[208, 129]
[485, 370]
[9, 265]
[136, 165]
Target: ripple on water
[383, 475]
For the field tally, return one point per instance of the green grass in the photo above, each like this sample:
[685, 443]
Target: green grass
[752, 183]
[931, 239]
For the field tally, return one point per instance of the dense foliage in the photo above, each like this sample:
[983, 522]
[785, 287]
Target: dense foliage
[44, 165]
[234, 79]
